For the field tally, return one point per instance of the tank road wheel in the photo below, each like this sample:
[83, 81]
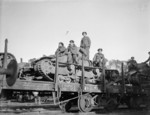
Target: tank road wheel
[85, 103]
[65, 106]
[111, 104]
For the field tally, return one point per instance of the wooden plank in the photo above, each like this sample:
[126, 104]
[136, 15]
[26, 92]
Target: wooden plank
[16, 105]
[69, 87]
[56, 73]
[123, 80]
[104, 79]
[82, 77]
[74, 87]
[30, 85]
[93, 88]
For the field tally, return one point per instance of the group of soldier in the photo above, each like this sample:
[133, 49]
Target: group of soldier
[72, 51]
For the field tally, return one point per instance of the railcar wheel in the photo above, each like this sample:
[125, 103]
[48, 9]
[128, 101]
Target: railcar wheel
[147, 102]
[127, 102]
[66, 106]
[13, 68]
[111, 104]
[135, 102]
[85, 103]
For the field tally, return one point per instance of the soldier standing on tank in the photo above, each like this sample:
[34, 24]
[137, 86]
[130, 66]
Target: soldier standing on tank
[72, 52]
[148, 60]
[99, 59]
[61, 50]
[85, 44]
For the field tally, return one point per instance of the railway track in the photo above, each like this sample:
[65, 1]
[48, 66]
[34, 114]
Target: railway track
[14, 106]
[54, 110]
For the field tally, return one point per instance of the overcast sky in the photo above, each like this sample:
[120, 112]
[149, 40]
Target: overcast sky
[34, 27]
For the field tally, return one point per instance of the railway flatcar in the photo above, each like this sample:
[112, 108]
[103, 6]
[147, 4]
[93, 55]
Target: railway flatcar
[49, 80]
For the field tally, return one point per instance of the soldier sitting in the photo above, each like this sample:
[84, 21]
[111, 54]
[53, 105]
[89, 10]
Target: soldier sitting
[61, 50]
[72, 52]
[99, 59]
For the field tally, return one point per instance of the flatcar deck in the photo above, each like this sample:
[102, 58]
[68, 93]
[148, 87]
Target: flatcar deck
[29, 85]
[49, 86]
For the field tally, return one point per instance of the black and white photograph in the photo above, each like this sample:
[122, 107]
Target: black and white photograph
[74, 57]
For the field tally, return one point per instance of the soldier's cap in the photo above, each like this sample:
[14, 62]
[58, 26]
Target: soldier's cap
[84, 33]
[100, 49]
[71, 41]
[61, 43]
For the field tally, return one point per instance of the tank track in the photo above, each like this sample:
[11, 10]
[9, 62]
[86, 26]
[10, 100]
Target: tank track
[44, 67]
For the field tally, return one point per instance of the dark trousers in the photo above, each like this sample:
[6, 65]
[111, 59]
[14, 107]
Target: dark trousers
[99, 64]
[87, 49]
[72, 58]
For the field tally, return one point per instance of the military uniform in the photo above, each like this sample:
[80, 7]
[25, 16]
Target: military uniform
[61, 51]
[99, 60]
[132, 61]
[86, 44]
[72, 54]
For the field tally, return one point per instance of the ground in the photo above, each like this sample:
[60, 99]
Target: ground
[57, 111]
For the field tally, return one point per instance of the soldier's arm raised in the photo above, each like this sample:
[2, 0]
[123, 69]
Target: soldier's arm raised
[147, 60]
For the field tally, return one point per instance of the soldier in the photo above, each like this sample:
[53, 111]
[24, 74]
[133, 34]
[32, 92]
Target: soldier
[85, 44]
[133, 61]
[148, 60]
[132, 64]
[72, 52]
[61, 50]
[99, 58]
